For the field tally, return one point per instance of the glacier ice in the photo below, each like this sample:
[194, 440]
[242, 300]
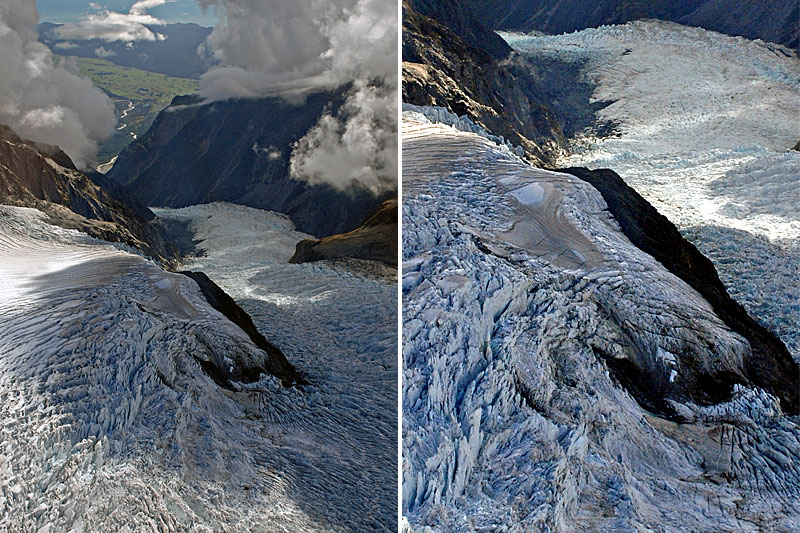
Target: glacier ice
[512, 420]
[110, 424]
[704, 123]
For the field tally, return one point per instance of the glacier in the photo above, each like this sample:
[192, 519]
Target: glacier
[703, 126]
[110, 423]
[521, 295]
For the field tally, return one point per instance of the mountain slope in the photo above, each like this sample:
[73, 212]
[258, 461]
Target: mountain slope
[464, 69]
[43, 177]
[238, 151]
[776, 21]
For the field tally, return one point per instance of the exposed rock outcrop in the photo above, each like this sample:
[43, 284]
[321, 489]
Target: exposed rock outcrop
[275, 363]
[451, 60]
[42, 176]
[238, 151]
[375, 240]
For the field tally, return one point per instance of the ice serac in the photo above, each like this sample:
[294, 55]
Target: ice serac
[556, 376]
[238, 151]
[375, 240]
[43, 177]
[104, 361]
[771, 366]
[450, 59]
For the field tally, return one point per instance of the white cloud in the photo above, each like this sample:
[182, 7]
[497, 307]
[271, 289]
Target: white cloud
[288, 49]
[103, 53]
[43, 102]
[356, 148]
[111, 26]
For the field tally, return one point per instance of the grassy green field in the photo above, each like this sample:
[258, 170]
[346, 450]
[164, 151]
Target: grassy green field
[134, 84]
[148, 92]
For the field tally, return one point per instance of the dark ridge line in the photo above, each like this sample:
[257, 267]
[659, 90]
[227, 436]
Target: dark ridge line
[275, 364]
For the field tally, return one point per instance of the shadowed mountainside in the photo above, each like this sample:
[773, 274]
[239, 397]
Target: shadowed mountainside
[451, 60]
[238, 151]
[776, 21]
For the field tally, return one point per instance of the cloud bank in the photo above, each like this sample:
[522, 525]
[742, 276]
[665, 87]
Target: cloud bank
[43, 102]
[110, 26]
[289, 49]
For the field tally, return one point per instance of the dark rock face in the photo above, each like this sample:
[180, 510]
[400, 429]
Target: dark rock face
[458, 17]
[451, 60]
[42, 176]
[770, 20]
[275, 363]
[375, 240]
[238, 151]
[770, 365]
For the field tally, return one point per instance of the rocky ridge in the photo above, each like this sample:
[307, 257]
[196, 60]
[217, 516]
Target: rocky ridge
[451, 60]
[374, 240]
[43, 177]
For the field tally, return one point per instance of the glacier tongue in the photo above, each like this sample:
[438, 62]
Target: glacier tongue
[513, 314]
[110, 424]
[704, 123]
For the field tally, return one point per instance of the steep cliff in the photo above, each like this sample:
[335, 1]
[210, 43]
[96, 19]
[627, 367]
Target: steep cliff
[42, 176]
[451, 60]
[375, 239]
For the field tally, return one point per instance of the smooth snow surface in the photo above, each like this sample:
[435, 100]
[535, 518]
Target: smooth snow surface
[511, 419]
[530, 194]
[110, 423]
[705, 122]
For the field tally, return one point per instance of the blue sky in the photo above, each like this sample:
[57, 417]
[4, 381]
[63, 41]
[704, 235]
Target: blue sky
[74, 10]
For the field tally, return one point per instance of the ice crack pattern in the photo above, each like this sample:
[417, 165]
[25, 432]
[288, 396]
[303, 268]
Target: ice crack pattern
[512, 421]
[110, 423]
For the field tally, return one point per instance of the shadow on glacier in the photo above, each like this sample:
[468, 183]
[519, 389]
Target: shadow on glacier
[762, 276]
[565, 88]
[344, 460]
